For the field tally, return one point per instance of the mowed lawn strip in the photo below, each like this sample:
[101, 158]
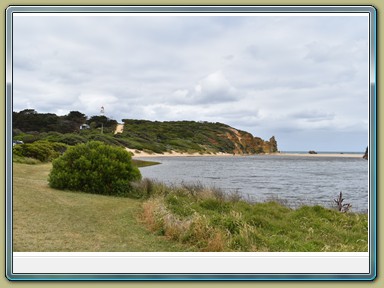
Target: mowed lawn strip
[45, 219]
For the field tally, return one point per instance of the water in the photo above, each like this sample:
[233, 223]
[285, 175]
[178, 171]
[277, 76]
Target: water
[292, 179]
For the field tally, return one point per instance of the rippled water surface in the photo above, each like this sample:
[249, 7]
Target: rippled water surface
[294, 179]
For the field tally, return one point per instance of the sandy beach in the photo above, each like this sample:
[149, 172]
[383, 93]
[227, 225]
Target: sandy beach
[140, 154]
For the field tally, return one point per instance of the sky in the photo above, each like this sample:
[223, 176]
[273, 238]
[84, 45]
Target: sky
[302, 79]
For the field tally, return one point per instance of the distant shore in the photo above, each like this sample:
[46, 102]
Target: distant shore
[139, 154]
[345, 155]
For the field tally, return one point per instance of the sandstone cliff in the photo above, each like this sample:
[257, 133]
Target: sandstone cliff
[192, 137]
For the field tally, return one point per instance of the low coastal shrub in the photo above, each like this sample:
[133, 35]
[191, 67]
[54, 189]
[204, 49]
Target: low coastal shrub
[71, 139]
[28, 137]
[95, 167]
[211, 220]
[43, 151]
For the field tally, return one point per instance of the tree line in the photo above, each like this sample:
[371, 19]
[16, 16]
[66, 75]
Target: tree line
[29, 120]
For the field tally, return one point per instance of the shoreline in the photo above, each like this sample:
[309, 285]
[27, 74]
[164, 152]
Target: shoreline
[175, 154]
[220, 154]
[343, 155]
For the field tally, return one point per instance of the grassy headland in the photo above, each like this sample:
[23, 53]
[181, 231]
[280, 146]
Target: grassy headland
[147, 136]
[191, 137]
[186, 218]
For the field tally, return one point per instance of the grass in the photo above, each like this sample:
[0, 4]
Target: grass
[46, 219]
[171, 218]
[211, 221]
[25, 160]
[143, 163]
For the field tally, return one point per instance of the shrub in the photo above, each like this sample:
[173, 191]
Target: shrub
[41, 150]
[95, 167]
[107, 139]
[27, 138]
[71, 139]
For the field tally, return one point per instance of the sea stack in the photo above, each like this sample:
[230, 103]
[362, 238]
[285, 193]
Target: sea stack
[366, 154]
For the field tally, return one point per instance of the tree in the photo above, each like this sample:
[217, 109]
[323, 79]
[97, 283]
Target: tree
[95, 167]
[73, 120]
[76, 116]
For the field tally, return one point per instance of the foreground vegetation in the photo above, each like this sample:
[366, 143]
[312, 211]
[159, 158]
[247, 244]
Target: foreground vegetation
[95, 168]
[46, 219]
[185, 218]
[212, 221]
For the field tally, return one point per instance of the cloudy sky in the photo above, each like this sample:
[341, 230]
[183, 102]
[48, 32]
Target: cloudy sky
[303, 79]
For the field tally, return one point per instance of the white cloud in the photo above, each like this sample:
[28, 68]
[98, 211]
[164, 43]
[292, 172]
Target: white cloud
[216, 84]
[213, 88]
[259, 74]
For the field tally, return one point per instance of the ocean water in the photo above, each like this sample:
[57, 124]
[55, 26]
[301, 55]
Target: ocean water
[294, 180]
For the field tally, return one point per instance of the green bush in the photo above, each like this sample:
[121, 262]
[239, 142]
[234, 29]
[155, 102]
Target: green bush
[95, 167]
[27, 138]
[105, 138]
[43, 151]
[71, 139]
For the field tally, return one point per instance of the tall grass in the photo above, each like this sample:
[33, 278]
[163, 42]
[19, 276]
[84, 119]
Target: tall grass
[25, 160]
[210, 220]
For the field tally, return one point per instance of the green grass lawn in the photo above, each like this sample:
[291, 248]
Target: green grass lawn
[45, 219]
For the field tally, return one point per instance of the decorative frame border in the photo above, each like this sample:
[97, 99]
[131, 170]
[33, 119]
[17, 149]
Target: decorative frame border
[198, 9]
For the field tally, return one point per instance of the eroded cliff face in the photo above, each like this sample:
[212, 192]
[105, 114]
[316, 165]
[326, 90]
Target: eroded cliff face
[246, 143]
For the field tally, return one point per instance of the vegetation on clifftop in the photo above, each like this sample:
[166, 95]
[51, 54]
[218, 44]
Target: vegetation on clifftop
[191, 136]
[150, 136]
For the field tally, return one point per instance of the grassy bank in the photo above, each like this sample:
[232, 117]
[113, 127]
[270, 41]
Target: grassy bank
[46, 219]
[143, 163]
[186, 218]
[212, 221]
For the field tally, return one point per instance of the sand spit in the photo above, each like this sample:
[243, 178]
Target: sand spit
[140, 154]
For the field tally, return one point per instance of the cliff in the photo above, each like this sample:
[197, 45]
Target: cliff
[191, 136]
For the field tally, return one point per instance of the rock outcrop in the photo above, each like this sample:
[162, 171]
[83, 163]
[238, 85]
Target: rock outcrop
[246, 143]
[366, 154]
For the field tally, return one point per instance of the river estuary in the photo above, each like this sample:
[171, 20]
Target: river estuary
[295, 180]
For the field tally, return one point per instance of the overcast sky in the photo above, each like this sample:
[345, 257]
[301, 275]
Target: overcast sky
[303, 79]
